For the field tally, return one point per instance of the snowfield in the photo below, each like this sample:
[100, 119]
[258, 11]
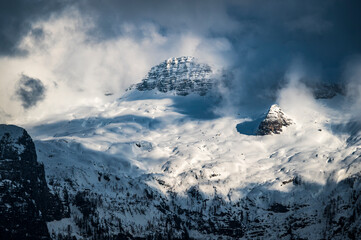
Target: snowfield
[162, 162]
[147, 144]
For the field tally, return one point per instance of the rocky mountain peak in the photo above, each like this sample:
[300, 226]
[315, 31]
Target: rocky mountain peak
[16, 144]
[274, 121]
[182, 75]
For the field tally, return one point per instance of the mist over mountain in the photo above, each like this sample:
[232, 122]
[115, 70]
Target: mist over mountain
[180, 119]
[82, 50]
[164, 162]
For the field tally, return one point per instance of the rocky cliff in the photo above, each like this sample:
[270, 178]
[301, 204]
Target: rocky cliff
[25, 200]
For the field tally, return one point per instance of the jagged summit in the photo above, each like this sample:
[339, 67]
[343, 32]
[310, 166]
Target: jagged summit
[183, 75]
[274, 121]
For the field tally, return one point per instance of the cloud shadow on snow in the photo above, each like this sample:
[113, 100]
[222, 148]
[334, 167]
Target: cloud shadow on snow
[196, 107]
[86, 126]
[249, 127]
[193, 106]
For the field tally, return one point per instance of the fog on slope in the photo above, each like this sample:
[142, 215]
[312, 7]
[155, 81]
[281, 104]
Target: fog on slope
[353, 79]
[297, 100]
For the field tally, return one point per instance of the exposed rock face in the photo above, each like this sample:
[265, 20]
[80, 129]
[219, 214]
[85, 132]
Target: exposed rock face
[25, 201]
[274, 121]
[326, 91]
[182, 75]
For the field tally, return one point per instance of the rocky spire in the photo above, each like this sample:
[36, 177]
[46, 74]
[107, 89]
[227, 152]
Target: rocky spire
[273, 122]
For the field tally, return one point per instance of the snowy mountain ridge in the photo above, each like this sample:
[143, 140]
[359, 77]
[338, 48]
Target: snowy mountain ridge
[151, 167]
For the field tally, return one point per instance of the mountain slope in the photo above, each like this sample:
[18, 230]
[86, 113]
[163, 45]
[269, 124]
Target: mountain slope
[150, 166]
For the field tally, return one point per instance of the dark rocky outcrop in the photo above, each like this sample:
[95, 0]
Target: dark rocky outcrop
[273, 122]
[25, 200]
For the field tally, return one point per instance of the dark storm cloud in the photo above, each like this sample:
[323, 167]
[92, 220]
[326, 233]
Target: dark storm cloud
[171, 16]
[266, 37]
[30, 91]
[323, 32]
[318, 36]
[16, 17]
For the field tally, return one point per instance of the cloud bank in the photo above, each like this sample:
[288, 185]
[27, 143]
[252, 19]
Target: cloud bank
[82, 50]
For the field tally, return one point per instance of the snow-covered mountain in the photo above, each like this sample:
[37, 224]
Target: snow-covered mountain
[182, 75]
[159, 164]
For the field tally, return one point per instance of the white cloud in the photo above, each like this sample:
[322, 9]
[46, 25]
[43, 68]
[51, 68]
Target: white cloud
[296, 99]
[77, 70]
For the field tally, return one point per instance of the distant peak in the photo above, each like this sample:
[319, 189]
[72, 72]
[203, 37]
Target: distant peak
[274, 121]
[182, 75]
